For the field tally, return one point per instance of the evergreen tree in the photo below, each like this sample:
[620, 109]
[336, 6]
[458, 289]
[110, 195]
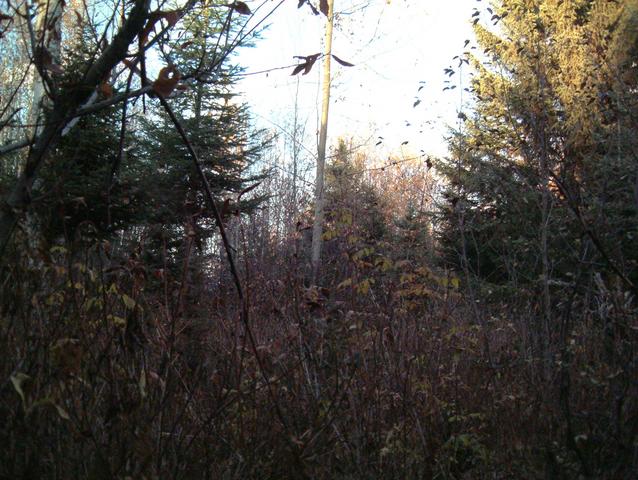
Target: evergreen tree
[150, 179]
[541, 175]
[217, 128]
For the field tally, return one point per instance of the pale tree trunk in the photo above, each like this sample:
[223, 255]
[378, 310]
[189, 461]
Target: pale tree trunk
[18, 197]
[317, 227]
[47, 38]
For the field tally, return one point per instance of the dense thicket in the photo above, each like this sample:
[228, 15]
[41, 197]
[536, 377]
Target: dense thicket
[475, 316]
[541, 211]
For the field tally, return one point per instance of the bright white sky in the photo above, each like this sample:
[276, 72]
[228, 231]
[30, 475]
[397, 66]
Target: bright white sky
[394, 45]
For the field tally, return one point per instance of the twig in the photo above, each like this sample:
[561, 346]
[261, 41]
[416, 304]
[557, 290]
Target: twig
[234, 273]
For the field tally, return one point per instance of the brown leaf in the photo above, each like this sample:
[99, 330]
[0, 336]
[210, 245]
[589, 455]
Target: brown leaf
[106, 89]
[307, 65]
[171, 17]
[342, 62]
[166, 81]
[310, 61]
[241, 8]
[298, 69]
[323, 6]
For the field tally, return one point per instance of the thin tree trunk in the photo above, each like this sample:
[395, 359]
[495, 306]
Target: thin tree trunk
[18, 198]
[317, 228]
[48, 35]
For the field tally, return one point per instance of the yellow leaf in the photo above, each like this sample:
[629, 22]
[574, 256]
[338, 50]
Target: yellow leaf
[19, 380]
[128, 301]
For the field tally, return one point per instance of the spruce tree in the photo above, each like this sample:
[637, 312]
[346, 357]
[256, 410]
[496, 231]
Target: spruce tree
[548, 145]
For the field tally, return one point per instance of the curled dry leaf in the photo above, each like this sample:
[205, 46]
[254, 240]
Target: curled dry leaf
[171, 17]
[298, 69]
[166, 81]
[240, 7]
[342, 62]
[323, 6]
[307, 65]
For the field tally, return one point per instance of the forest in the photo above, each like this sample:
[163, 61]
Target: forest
[186, 294]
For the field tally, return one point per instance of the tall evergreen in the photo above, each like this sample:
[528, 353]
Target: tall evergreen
[217, 127]
[548, 145]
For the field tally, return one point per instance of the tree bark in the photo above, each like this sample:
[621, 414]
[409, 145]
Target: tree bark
[317, 227]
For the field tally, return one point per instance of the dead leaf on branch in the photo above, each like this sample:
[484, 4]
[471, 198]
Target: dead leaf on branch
[307, 65]
[342, 62]
[171, 17]
[240, 7]
[312, 7]
[323, 6]
[166, 81]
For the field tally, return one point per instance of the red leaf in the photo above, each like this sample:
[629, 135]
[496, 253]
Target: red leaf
[166, 81]
[323, 6]
[342, 62]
